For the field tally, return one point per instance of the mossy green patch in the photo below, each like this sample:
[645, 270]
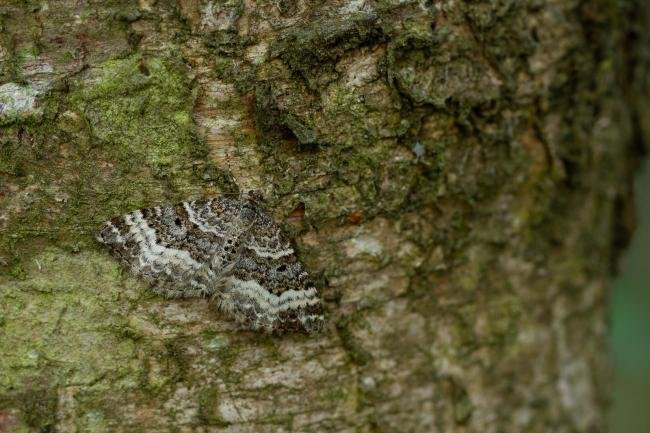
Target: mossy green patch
[122, 137]
[138, 110]
[57, 323]
[94, 422]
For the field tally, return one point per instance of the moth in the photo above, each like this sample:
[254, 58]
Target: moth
[228, 250]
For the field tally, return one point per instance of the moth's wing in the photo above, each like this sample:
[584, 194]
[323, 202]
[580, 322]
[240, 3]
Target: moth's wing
[172, 247]
[268, 288]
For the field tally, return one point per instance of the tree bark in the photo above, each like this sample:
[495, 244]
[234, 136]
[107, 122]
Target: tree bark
[456, 175]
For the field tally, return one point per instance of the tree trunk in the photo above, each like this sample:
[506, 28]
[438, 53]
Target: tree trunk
[456, 175]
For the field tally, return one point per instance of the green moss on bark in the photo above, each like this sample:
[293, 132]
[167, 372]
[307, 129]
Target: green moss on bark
[139, 111]
[119, 119]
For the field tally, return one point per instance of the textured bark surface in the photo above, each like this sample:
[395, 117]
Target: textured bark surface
[456, 175]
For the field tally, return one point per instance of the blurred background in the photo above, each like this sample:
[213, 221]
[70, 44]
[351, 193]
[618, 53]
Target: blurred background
[630, 325]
